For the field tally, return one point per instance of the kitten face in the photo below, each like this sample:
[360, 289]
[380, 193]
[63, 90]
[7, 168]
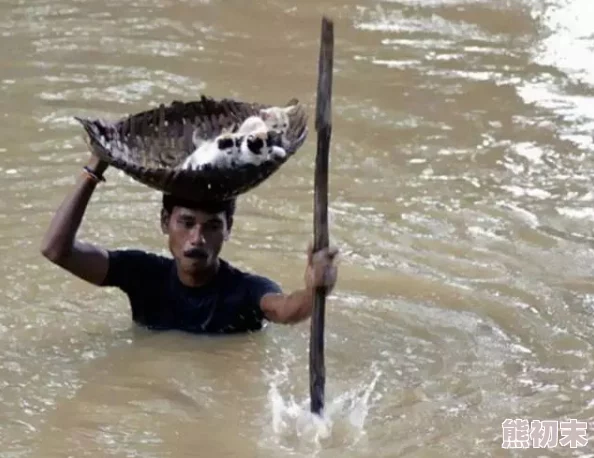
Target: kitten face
[277, 118]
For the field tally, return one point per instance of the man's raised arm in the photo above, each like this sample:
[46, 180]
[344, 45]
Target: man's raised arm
[59, 244]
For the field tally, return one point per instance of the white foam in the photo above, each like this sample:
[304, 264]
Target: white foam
[568, 47]
[293, 426]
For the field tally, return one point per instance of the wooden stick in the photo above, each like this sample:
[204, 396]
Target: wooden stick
[317, 371]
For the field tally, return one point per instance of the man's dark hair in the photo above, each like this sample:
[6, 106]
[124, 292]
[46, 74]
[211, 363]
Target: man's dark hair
[211, 206]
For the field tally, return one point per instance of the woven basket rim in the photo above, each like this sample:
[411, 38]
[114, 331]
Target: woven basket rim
[149, 145]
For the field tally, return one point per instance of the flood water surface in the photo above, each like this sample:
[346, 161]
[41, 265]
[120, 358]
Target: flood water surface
[461, 200]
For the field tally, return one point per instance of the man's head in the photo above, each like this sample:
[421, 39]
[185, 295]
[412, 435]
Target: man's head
[196, 230]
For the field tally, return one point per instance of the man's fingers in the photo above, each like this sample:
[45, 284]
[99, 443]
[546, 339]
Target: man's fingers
[328, 254]
[332, 252]
[325, 254]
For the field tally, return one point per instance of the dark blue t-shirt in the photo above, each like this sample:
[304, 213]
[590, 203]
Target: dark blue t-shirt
[229, 303]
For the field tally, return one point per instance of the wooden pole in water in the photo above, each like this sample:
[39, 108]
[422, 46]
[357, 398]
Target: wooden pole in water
[317, 371]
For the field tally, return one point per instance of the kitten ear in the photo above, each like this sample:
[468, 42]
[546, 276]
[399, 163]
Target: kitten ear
[290, 109]
[264, 114]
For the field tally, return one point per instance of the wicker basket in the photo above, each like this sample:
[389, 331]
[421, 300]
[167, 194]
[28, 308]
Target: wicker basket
[150, 145]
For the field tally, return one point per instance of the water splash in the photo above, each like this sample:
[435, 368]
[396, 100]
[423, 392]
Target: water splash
[341, 425]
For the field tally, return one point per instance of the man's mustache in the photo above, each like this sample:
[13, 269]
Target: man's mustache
[196, 253]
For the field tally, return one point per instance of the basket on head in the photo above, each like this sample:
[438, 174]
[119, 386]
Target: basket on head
[151, 145]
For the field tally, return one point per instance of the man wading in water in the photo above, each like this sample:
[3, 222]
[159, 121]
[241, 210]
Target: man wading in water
[196, 291]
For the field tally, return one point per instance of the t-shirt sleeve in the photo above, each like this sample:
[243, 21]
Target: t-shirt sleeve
[125, 269]
[258, 287]
[140, 275]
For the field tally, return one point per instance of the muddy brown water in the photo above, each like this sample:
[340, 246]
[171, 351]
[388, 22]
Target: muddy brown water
[461, 199]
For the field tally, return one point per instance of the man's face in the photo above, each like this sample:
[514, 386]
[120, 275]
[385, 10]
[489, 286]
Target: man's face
[195, 237]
